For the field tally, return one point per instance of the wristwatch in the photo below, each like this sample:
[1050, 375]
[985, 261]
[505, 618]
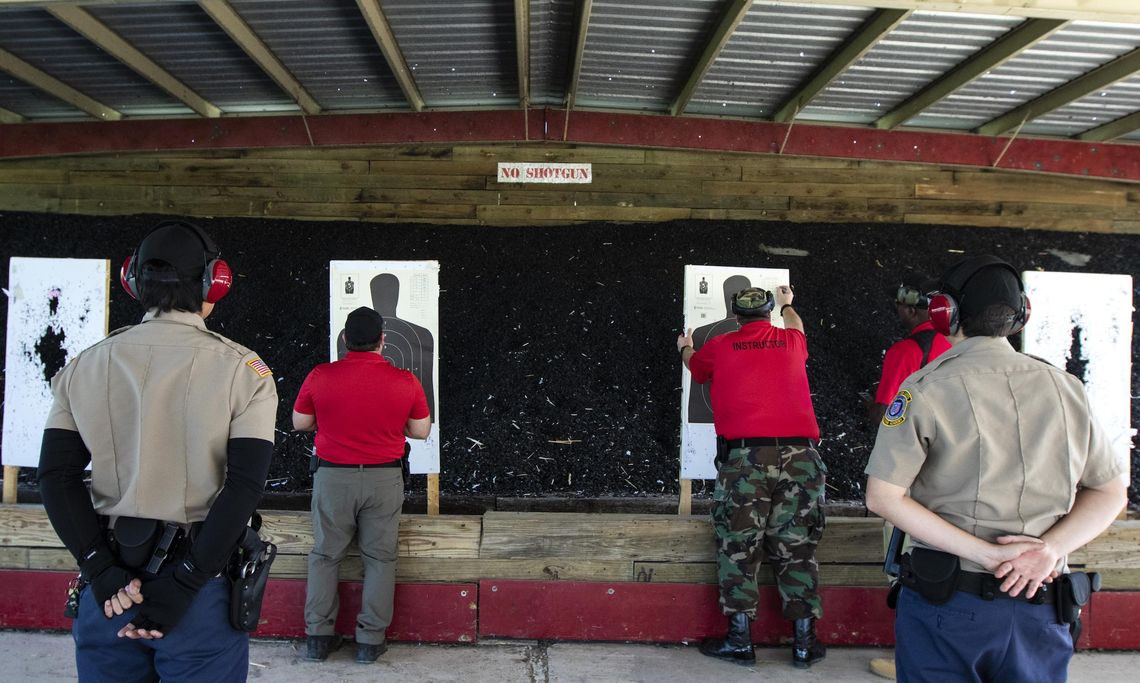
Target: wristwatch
[783, 307]
[686, 346]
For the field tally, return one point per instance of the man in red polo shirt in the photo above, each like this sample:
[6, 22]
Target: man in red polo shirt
[770, 479]
[362, 408]
[921, 345]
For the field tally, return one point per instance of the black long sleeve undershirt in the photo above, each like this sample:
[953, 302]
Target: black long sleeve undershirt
[63, 458]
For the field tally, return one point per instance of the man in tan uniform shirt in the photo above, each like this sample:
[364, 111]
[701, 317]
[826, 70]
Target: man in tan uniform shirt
[1007, 473]
[177, 424]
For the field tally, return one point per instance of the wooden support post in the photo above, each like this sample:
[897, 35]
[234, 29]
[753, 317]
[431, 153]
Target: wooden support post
[11, 478]
[685, 505]
[433, 494]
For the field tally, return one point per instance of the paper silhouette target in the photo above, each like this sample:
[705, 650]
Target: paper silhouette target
[406, 293]
[708, 310]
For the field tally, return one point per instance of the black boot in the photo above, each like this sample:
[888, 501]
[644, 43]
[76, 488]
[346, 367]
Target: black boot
[737, 645]
[806, 650]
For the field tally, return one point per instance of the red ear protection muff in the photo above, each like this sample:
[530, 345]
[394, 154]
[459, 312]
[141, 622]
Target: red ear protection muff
[945, 305]
[217, 278]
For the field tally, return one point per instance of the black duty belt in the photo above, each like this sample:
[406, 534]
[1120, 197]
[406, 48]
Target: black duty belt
[367, 466]
[758, 441]
[988, 587]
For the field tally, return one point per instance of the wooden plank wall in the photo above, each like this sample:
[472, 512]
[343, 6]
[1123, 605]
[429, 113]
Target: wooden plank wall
[563, 546]
[457, 184]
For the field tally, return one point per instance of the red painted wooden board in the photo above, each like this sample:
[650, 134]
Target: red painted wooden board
[664, 613]
[434, 613]
[427, 612]
[1115, 624]
[1067, 157]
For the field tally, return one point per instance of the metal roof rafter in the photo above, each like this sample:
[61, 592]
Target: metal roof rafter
[733, 14]
[227, 18]
[1113, 129]
[9, 116]
[873, 30]
[1098, 78]
[103, 37]
[382, 32]
[522, 41]
[31, 75]
[1009, 45]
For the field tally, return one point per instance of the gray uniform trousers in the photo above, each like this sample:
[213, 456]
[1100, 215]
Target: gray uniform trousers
[365, 503]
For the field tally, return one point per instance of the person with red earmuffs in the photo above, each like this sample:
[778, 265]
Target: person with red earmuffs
[991, 461]
[177, 424]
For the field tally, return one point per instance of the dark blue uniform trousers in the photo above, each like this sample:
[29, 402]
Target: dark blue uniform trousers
[203, 647]
[971, 639]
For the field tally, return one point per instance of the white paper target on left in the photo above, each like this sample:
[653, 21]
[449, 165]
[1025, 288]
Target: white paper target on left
[406, 294]
[56, 308]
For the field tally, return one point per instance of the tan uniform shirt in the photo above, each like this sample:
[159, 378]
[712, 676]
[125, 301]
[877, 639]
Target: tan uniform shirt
[993, 441]
[156, 404]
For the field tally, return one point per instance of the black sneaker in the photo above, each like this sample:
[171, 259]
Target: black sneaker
[317, 648]
[366, 654]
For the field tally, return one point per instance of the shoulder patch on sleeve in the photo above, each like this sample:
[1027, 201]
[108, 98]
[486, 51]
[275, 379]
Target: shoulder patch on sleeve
[896, 411]
[259, 366]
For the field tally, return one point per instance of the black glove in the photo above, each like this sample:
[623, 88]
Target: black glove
[105, 576]
[166, 598]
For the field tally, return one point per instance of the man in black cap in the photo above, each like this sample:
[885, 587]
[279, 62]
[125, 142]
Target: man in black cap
[362, 408]
[992, 462]
[177, 424]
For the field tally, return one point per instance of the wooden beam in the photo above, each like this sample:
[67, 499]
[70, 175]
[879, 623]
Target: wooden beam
[989, 57]
[1113, 11]
[579, 49]
[228, 19]
[113, 44]
[733, 14]
[879, 25]
[522, 43]
[24, 71]
[382, 32]
[9, 116]
[1112, 129]
[11, 479]
[1117, 69]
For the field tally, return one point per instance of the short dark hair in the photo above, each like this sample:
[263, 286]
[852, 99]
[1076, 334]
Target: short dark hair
[995, 320]
[368, 346]
[160, 290]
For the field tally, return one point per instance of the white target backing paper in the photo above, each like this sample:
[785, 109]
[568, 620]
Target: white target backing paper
[708, 296]
[1083, 322]
[56, 308]
[406, 293]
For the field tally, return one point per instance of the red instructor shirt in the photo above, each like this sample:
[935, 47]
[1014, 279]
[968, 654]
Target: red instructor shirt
[759, 382]
[362, 403]
[903, 358]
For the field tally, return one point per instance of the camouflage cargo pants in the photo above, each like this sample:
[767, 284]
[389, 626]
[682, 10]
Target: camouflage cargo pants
[769, 502]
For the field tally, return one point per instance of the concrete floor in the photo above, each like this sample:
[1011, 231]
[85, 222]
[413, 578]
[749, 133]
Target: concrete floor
[36, 657]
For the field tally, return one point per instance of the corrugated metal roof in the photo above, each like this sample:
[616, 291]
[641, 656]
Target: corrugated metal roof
[637, 56]
[1072, 51]
[185, 41]
[53, 47]
[639, 52]
[920, 49]
[460, 53]
[328, 49]
[1103, 106]
[551, 44]
[773, 49]
[29, 102]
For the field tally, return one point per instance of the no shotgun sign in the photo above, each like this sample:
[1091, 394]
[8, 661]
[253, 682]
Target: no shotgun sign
[546, 173]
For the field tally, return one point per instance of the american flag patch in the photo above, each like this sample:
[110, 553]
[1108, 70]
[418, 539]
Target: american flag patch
[260, 367]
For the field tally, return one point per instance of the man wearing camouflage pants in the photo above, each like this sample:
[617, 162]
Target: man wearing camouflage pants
[770, 479]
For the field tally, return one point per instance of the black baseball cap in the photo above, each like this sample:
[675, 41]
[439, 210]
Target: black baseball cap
[363, 326]
[178, 245]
